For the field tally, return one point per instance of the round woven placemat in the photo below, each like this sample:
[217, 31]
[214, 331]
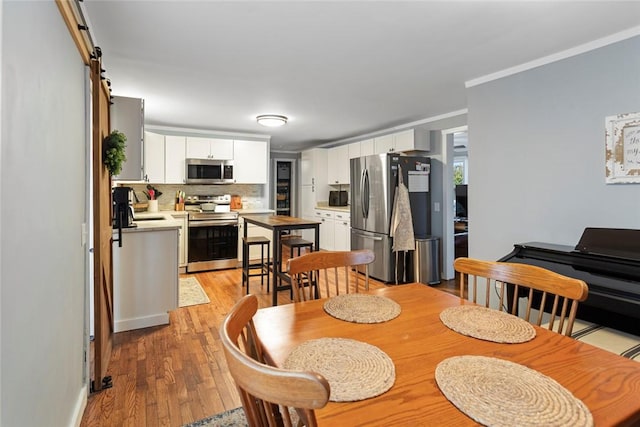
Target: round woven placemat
[487, 324]
[362, 308]
[355, 370]
[501, 393]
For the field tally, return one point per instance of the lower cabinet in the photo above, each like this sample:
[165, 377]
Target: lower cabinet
[182, 239]
[335, 234]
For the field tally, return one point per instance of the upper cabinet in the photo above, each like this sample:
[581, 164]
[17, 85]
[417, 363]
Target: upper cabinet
[127, 116]
[153, 157]
[174, 159]
[401, 142]
[250, 160]
[338, 162]
[366, 147]
[209, 148]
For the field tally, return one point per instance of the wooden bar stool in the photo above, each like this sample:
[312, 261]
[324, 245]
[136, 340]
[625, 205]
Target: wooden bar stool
[263, 265]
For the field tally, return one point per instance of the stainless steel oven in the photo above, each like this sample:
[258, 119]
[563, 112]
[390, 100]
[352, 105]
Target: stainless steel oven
[213, 241]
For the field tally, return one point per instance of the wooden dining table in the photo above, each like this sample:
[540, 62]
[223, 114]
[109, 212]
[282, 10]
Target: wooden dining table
[277, 224]
[416, 341]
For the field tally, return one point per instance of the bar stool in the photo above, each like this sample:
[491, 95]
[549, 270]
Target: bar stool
[295, 242]
[263, 265]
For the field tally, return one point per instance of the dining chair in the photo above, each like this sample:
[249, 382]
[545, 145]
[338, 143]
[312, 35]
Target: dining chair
[267, 392]
[310, 278]
[539, 285]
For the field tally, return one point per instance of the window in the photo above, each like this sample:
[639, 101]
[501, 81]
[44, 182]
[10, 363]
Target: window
[459, 170]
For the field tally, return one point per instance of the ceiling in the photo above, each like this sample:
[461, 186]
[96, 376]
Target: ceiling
[337, 69]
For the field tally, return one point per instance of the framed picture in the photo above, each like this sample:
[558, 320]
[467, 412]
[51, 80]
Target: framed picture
[622, 137]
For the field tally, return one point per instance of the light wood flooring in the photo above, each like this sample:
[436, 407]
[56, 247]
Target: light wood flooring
[176, 374]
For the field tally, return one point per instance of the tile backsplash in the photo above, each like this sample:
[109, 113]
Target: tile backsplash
[254, 194]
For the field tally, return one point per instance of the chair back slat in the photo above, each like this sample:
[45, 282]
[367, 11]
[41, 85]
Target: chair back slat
[540, 284]
[310, 273]
[267, 393]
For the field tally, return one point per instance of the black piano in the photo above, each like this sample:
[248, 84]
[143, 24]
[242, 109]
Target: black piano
[608, 260]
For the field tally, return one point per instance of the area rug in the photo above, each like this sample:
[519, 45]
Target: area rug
[622, 343]
[191, 292]
[231, 418]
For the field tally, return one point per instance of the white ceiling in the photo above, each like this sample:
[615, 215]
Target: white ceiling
[338, 69]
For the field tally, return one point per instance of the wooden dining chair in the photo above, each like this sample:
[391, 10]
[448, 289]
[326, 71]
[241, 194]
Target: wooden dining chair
[537, 284]
[267, 392]
[310, 278]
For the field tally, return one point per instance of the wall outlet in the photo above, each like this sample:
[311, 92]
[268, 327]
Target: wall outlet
[436, 206]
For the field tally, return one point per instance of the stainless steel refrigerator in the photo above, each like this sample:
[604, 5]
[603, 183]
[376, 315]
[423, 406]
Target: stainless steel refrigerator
[373, 184]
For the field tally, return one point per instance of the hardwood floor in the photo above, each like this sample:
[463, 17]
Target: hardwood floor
[176, 374]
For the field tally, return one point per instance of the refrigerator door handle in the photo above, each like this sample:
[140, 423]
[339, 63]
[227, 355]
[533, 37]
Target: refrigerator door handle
[366, 236]
[365, 193]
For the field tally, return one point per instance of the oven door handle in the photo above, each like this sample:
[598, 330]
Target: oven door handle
[213, 223]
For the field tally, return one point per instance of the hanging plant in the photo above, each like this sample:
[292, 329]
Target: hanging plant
[113, 151]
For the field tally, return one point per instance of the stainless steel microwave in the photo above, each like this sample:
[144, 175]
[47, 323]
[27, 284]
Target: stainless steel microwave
[208, 171]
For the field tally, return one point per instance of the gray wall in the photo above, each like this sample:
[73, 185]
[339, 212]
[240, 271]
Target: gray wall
[537, 151]
[42, 288]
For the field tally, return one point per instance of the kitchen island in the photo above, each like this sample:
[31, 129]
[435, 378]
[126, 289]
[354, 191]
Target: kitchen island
[145, 275]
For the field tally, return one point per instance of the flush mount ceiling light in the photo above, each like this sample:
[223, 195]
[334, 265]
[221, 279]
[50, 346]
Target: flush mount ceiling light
[271, 120]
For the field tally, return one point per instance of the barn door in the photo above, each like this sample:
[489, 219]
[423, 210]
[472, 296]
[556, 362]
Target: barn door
[103, 277]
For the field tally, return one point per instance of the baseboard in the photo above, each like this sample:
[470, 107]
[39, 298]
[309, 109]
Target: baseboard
[141, 322]
[78, 408]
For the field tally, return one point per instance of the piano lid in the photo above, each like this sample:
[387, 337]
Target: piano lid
[614, 242]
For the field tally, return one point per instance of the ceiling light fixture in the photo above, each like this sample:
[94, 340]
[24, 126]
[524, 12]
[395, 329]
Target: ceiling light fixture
[271, 120]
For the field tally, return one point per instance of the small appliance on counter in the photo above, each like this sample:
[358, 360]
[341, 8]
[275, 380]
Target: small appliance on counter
[122, 210]
[338, 198]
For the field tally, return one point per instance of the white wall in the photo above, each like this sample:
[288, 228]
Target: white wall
[537, 157]
[42, 182]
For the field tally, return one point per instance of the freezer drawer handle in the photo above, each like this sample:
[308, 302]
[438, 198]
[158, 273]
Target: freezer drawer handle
[368, 237]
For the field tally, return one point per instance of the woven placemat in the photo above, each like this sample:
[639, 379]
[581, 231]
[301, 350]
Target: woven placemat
[487, 324]
[355, 370]
[497, 392]
[362, 308]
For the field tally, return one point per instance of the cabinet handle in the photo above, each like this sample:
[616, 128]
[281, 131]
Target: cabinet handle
[313, 181]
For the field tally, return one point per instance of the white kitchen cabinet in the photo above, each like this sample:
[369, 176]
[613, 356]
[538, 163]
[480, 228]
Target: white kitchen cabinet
[313, 176]
[250, 160]
[209, 148]
[366, 148]
[383, 144]
[174, 159]
[145, 278]
[127, 116]
[355, 150]
[342, 231]
[327, 230]
[153, 157]
[182, 239]
[338, 165]
[401, 142]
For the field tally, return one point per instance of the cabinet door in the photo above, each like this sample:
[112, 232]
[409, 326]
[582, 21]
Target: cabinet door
[127, 116]
[403, 141]
[342, 233]
[250, 162]
[383, 144]
[198, 148]
[307, 201]
[306, 168]
[221, 149]
[327, 231]
[338, 165]
[366, 148]
[153, 157]
[354, 150]
[174, 156]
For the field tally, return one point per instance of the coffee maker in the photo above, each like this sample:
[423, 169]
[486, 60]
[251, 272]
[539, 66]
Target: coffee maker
[122, 209]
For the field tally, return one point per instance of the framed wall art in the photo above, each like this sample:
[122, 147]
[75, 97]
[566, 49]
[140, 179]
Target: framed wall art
[622, 138]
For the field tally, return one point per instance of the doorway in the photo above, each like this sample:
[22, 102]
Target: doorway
[455, 191]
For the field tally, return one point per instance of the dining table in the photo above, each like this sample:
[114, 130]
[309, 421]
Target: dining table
[279, 224]
[417, 341]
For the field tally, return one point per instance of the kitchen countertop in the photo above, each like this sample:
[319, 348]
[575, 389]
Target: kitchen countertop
[167, 222]
[334, 208]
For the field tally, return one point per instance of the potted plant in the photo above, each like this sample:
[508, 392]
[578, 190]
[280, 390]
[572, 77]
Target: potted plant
[113, 154]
